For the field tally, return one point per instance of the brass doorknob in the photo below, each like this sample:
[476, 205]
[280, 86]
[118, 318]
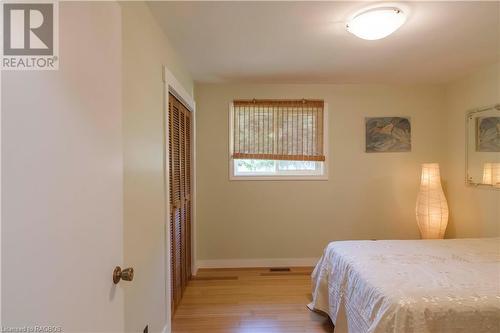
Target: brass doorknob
[127, 274]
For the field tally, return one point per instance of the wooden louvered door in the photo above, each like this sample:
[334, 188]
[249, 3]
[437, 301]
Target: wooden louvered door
[180, 196]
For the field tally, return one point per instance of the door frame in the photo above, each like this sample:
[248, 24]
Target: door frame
[172, 86]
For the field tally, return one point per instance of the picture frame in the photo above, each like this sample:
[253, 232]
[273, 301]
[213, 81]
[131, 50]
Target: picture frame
[387, 134]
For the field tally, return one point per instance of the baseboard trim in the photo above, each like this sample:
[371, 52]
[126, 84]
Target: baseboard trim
[247, 263]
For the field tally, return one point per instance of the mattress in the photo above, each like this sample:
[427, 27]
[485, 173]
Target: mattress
[411, 285]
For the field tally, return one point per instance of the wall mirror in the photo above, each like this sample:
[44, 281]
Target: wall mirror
[483, 147]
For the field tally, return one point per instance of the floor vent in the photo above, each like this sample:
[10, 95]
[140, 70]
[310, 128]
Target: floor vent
[279, 269]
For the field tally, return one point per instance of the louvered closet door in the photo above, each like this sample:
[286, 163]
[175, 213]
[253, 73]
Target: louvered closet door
[180, 196]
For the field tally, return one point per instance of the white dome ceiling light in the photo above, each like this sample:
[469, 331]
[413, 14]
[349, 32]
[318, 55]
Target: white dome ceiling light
[376, 23]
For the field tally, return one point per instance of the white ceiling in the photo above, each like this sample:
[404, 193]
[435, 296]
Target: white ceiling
[306, 42]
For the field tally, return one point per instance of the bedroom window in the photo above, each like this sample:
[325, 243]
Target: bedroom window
[278, 139]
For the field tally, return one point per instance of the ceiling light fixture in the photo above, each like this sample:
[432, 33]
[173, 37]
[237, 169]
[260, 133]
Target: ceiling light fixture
[376, 23]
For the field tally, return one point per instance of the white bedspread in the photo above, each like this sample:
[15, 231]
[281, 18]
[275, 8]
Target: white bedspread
[412, 285]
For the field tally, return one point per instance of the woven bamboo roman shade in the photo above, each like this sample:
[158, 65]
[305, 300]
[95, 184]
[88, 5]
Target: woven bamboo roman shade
[278, 130]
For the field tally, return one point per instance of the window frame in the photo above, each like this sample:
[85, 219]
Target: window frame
[274, 177]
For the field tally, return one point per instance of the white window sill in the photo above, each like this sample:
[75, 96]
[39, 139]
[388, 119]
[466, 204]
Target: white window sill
[275, 177]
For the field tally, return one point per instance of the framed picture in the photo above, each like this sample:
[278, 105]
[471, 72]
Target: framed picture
[388, 134]
[488, 134]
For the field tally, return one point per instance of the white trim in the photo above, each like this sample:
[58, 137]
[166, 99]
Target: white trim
[323, 177]
[275, 177]
[171, 84]
[194, 272]
[166, 328]
[249, 263]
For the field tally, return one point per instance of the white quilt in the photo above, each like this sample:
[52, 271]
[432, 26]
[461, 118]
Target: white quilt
[411, 285]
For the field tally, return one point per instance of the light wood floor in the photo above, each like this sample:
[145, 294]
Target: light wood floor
[249, 301]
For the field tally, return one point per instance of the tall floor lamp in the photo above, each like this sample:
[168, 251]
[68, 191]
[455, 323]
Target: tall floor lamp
[432, 208]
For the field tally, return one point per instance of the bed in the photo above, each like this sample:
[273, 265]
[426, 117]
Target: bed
[408, 286]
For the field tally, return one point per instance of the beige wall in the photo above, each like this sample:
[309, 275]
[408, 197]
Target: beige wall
[367, 195]
[473, 211]
[62, 177]
[145, 50]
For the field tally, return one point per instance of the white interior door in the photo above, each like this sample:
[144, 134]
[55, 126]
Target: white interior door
[62, 175]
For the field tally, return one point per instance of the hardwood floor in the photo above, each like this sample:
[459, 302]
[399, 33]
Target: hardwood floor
[249, 301]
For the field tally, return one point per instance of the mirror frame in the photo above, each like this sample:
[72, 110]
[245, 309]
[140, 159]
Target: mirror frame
[468, 117]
